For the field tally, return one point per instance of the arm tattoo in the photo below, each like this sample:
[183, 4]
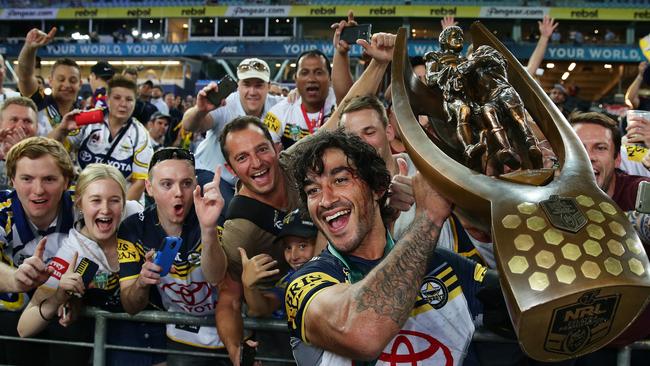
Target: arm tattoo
[390, 289]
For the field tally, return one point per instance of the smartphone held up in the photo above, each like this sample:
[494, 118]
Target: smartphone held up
[353, 33]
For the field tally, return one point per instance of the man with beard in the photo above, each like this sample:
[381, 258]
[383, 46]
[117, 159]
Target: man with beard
[289, 122]
[364, 295]
[254, 217]
[250, 99]
[180, 211]
[65, 81]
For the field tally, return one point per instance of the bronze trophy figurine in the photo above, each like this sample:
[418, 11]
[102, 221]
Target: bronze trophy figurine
[572, 268]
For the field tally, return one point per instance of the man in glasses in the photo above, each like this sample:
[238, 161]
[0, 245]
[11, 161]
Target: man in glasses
[251, 99]
[181, 211]
[289, 122]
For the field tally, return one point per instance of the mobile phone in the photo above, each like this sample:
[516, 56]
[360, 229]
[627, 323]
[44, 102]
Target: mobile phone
[89, 117]
[87, 269]
[226, 86]
[351, 34]
[165, 257]
[643, 198]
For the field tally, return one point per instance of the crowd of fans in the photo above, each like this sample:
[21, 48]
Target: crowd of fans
[254, 186]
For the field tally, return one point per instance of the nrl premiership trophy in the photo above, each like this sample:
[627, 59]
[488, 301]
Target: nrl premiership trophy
[572, 268]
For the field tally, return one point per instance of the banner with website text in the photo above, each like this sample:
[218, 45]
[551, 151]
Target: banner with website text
[338, 11]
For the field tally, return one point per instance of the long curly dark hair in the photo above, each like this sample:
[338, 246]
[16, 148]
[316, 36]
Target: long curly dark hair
[369, 166]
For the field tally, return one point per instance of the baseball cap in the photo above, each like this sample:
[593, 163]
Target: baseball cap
[156, 115]
[103, 70]
[294, 225]
[560, 88]
[254, 68]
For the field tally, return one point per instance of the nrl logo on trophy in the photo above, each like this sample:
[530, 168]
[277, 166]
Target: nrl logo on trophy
[564, 213]
[480, 129]
[575, 326]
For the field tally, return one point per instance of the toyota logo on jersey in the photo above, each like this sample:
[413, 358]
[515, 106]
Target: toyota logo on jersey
[193, 294]
[410, 347]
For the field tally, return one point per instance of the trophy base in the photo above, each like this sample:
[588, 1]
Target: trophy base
[578, 324]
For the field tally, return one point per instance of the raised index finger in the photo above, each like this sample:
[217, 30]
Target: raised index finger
[40, 248]
[51, 34]
[217, 174]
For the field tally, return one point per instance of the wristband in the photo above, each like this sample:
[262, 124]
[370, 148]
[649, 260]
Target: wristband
[40, 311]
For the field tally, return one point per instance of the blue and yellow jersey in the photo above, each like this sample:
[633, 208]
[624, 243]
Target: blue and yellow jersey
[48, 111]
[184, 289]
[19, 237]
[438, 331]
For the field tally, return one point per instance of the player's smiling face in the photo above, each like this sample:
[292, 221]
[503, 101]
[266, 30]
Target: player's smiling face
[340, 203]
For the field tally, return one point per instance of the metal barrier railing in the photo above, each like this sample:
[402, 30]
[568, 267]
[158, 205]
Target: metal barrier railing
[99, 345]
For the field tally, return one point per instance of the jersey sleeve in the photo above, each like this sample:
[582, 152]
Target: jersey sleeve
[303, 288]
[471, 275]
[39, 99]
[60, 263]
[130, 252]
[142, 155]
[274, 124]
[75, 137]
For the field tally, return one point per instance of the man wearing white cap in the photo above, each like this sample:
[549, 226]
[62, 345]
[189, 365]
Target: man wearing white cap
[251, 98]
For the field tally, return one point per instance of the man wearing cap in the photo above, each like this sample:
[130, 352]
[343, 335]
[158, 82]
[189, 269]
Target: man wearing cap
[289, 122]
[157, 99]
[143, 108]
[98, 79]
[559, 97]
[250, 99]
[157, 127]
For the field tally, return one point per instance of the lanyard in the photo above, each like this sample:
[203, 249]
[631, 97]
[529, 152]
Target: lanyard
[311, 125]
[355, 274]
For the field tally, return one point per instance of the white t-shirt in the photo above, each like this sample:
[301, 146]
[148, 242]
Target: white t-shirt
[208, 154]
[6, 94]
[287, 119]
[631, 156]
[161, 105]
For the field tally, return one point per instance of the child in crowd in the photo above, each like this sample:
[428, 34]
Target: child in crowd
[298, 237]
